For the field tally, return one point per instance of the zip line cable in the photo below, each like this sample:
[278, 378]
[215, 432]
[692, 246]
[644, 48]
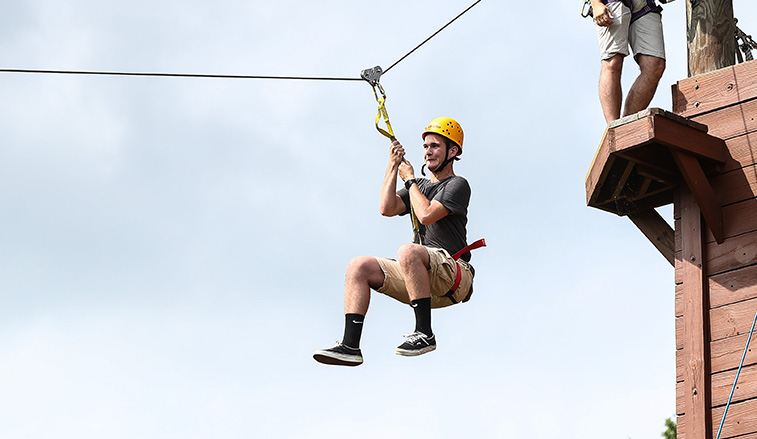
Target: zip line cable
[223, 76]
[433, 35]
[176, 75]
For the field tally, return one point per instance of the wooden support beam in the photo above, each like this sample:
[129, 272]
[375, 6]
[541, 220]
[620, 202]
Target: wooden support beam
[696, 337]
[710, 35]
[658, 231]
[623, 179]
[702, 191]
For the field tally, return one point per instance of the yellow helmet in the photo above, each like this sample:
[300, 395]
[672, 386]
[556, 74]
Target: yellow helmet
[446, 127]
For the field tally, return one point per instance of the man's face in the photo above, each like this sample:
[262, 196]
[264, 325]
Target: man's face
[434, 151]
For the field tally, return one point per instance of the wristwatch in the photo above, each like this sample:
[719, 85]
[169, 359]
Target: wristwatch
[409, 183]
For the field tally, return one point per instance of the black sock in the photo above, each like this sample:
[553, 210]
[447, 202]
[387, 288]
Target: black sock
[422, 308]
[353, 330]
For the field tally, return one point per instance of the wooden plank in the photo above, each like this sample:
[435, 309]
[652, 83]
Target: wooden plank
[657, 231]
[733, 121]
[726, 353]
[733, 286]
[644, 190]
[740, 420]
[742, 152]
[714, 90]
[654, 159]
[689, 140]
[736, 252]
[736, 186]
[682, 421]
[696, 390]
[597, 170]
[657, 174]
[732, 320]
[702, 192]
[623, 180]
[746, 388]
[631, 135]
[738, 219]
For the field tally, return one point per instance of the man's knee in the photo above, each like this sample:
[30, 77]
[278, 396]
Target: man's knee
[613, 65]
[363, 267]
[412, 253]
[651, 66]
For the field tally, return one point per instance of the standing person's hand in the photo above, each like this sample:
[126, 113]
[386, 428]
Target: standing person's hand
[602, 15]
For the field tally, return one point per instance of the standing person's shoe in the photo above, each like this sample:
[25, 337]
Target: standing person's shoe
[417, 343]
[339, 355]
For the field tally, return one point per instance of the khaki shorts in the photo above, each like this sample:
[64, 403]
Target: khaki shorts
[645, 35]
[442, 274]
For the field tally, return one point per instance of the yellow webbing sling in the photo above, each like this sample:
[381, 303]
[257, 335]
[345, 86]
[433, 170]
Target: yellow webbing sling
[373, 76]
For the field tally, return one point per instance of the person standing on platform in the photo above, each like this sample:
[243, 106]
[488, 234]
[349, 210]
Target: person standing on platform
[620, 24]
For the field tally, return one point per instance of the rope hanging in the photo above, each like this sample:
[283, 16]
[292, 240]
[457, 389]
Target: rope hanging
[736, 380]
[744, 44]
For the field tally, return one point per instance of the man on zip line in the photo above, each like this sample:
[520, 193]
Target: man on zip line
[620, 23]
[426, 274]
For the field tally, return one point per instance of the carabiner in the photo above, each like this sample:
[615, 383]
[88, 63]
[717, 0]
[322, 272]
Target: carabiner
[586, 9]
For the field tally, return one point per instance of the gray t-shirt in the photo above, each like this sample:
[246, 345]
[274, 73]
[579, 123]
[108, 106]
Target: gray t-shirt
[449, 232]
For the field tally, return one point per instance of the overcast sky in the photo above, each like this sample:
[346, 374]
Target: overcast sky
[173, 250]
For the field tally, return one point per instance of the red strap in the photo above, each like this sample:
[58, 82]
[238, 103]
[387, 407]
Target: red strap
[456, 256]
[469, 247]
[458, 277]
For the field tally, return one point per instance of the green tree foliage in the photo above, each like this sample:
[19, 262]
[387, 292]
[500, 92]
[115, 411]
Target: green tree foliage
[670, 429]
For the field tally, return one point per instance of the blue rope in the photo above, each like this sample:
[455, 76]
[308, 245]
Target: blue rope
[746, 348]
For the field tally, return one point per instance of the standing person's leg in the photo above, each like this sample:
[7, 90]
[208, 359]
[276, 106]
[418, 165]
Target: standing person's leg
[643, 89]
[610, 88]
[648, 44]
[613, 48]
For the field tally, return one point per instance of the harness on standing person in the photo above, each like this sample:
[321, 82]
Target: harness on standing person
[651, 6]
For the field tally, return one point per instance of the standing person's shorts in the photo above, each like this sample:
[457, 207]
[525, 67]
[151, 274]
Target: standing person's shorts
[442, 274]
[645, 35]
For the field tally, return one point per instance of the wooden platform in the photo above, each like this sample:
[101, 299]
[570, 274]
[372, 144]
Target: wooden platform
[635, 168]
[644, 157]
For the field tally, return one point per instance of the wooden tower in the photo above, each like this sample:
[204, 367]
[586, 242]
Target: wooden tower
[702, 157]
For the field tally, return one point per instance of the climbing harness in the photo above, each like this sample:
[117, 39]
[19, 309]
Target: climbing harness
[373, 77]
[651, 6]
[458, 271]
[744, 43]
[736, 380]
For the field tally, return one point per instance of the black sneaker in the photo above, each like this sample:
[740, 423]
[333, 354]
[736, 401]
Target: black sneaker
[339, 355]
[417, 343]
